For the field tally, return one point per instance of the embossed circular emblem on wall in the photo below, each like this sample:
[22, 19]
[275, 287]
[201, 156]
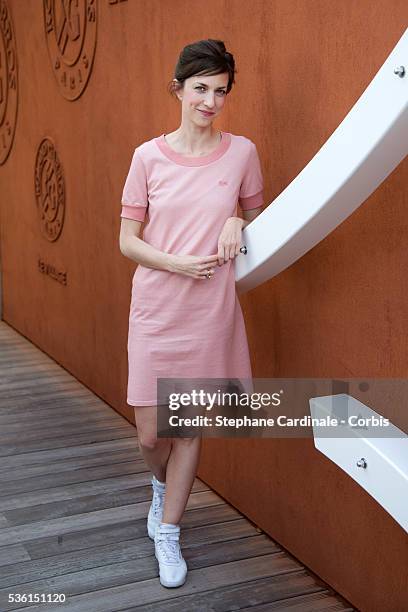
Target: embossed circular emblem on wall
[49, 188]
[70, 29]
[8, 82]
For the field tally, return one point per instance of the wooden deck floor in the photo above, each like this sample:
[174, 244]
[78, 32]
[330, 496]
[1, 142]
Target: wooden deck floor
[74, 496]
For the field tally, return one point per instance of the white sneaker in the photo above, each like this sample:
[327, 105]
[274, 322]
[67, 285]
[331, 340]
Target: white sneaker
[172, 566]
[156, 509]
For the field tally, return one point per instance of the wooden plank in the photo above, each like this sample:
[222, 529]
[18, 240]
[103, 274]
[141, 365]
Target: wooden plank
[40, 383]
[87, 540]
[66, 465]
[194, 516]
[57, 454]
[149, 590]
[36, 418]
[241, 544]
[13, 365]
[246, 596]
[88, 503]
[57, 401]
[10, 555]
[81, 475]
[3, 521]
[35, 392]
[78, 522]
[73, 440]
[43, 497]
[324, 601]
[140, 568]
[125, 530]
[211, 545]
[55, 432]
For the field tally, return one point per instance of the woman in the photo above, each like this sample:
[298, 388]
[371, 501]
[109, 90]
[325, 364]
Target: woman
[185, 318]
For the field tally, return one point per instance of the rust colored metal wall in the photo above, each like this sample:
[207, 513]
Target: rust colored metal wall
[75, 112]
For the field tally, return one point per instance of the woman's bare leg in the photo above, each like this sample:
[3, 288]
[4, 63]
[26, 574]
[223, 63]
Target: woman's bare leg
[155, 451]
[180, 474]
[171, 460]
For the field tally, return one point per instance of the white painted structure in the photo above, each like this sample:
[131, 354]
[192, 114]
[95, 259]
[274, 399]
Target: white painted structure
[365, 148]
[378, 462]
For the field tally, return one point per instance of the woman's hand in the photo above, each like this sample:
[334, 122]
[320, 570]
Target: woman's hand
[229, 241]
[196, 266]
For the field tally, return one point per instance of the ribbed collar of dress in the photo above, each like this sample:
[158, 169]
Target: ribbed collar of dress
[202, 160]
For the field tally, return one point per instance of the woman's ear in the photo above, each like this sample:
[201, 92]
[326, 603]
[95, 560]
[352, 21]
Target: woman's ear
[178, 82]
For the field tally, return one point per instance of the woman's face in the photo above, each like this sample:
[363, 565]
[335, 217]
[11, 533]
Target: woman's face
[203, 93]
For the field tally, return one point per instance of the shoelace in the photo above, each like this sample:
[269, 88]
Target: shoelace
[157, 502]
[169, 548]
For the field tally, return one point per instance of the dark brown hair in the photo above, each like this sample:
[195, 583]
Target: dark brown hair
[204, 57]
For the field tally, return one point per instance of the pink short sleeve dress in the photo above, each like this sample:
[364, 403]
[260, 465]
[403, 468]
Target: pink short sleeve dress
[181, 327]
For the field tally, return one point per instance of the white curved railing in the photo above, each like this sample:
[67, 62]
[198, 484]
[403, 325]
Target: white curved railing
[379, 463]
[365, 148]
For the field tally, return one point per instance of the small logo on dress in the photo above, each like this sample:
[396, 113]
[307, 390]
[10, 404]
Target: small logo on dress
[222, 183]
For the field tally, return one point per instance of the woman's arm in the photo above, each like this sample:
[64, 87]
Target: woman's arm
[229, 240]
[195, 266]
[137, 249]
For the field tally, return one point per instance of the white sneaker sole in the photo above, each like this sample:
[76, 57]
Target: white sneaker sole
[172, 584]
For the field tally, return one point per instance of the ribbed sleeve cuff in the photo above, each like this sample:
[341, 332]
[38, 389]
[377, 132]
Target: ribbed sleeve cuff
[137, 213]
[253, 201]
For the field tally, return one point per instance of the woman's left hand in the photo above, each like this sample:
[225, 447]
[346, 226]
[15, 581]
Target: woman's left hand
[229, 241]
